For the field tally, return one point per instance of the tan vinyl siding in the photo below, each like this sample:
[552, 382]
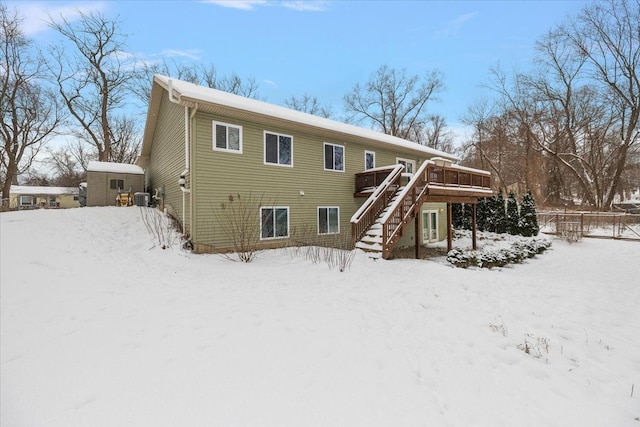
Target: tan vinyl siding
[167, 160]
[219, 174]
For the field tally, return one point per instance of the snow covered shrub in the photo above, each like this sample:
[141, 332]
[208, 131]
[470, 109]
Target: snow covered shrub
[492, 258]
[461, 258]
[488, 258]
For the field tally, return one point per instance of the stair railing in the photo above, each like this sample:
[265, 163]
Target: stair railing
[403, 207]
[367, 214]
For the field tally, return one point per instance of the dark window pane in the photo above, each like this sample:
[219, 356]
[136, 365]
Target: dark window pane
[322, 220]
[267, 222]
[328, 156]
[369, 161]
[271, 148]
[285, 150]
[221, 136]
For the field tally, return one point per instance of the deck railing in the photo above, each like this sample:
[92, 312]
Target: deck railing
[456, 177]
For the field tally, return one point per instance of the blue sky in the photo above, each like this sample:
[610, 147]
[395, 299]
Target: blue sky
[324, 48]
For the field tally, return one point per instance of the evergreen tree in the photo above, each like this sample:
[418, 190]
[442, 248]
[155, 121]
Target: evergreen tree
[467, 216]
[513, 217]
[482, 212]
[528, 216]
[456, 215]
[499, 214]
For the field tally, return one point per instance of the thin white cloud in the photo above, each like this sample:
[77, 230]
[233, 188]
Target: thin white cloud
[237, 4]
[193, 54]
[453, 26]
[270, 83]
[298, 5]
[305, 6]
[36, 15]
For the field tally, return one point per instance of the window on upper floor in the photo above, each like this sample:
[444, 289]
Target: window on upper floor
[227, 137]
[274, 222]
[333, 157]
[369, 160]
[328, 220]
[278, 149]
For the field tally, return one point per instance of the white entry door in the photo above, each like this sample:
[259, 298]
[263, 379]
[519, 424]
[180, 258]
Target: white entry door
[429, 226]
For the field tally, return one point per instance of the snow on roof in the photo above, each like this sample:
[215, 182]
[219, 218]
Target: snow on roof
[95, 166]
[184, 89]
[38, 190]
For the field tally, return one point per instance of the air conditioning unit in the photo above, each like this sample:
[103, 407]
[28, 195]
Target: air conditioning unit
[142, 199]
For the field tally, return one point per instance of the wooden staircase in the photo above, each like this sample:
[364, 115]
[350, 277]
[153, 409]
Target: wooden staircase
[372, 242]
[379, 224]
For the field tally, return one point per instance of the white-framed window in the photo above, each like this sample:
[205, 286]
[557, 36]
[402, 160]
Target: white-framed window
[278, 149]
[409, 165]
[52, 201]
[227, 137]
[333, 157]
[369, 160]
[27, 201]
[274, 222]
[328, 220]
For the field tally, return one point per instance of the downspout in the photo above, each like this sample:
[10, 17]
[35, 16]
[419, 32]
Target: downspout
[183, 176]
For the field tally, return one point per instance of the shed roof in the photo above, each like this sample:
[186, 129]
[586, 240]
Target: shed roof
[190, 94]
[95, 166]
[36, 190]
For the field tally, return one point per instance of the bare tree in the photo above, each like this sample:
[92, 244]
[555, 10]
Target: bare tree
[436, 135]
[198, 74]
[394, 102]
[67, 172]
[580, 109]
[607, 35]
[92, 78]
[308, 104]
[30, 113]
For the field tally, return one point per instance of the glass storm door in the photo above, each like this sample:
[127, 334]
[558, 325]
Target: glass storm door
[429, 226]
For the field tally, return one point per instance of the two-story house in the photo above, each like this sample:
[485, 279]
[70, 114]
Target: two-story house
[202, 145]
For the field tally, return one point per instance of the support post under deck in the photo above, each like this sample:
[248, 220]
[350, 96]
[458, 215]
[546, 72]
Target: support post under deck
[473, 228]
[449, 229]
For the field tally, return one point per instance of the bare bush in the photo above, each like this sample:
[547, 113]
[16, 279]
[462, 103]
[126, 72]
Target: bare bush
[240, 223]
[158, 224]
[335, 250]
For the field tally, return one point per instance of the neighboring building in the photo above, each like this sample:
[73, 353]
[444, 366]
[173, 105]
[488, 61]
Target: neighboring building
[32, 197]
[106, 180]
[201, 146]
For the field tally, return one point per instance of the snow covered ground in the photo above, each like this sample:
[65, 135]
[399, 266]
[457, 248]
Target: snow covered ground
[100, 328]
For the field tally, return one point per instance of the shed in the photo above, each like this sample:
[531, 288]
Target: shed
[105, 180]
